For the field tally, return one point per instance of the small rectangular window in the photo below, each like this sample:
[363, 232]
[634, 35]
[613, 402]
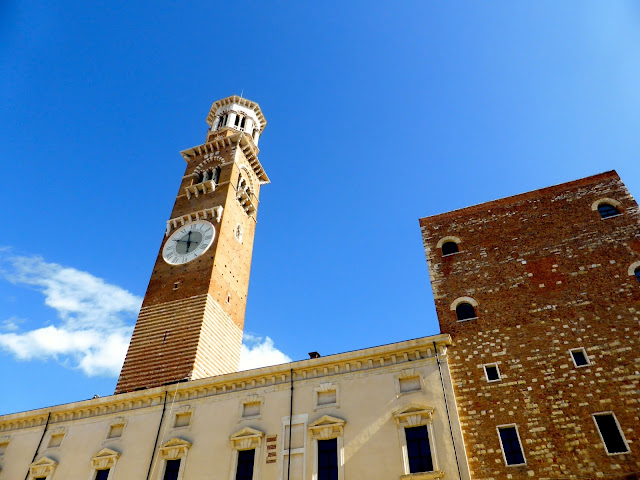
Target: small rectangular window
[244, 470]
[610, 433]
[328, 397]
[579, 356]
[182, 419]
[511, 446]
[56, 440]
[418, 449]
[115, 431]
[102, 474]
[411, 384]
[251, 409]
[492, 372]
[328, 459]
[172, 469]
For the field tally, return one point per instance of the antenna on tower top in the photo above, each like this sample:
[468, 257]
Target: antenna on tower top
[241, 92]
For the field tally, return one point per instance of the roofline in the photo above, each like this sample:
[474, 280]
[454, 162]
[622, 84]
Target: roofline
[518, 197]
[241, 101]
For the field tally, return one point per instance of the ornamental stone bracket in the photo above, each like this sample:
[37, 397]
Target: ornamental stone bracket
[327, 427]
[246, 439]
[174, 449]
[214, 213]
[44, 467]
[204, 187]
[104, 459]
[422, 476]
[414, 415]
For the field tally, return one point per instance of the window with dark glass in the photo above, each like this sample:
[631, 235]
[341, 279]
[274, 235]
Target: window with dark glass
[244, 471]
[579, 357]
[607, 210]
[328, 459]
[637, 273]
[492, 372]
[465, 311]
[611, 435]
[511, 446]
[449, 247]
[172, 469]
[102, 474]
[237, 121]
[419, 449]
[242, 122]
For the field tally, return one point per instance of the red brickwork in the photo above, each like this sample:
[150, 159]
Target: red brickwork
[548, 275]
[180, 334]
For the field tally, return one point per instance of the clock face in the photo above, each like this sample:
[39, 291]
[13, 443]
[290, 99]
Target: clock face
[188, 242]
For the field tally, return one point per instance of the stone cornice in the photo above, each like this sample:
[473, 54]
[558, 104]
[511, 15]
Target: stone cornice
[358, 361]
[217, 142]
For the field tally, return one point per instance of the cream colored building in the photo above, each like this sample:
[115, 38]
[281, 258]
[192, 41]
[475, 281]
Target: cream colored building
[364, 399]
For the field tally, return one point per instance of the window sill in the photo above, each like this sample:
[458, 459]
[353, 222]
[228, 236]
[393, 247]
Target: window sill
[450, 254]
[467, 319]
[611, 216]
[422, 476]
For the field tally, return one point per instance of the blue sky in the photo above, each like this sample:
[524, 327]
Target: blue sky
[379, 113]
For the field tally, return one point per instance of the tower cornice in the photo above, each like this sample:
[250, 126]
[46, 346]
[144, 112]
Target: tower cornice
[235, 99]
[218, 142]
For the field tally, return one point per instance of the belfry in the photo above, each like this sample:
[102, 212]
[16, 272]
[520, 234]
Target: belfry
[191, 322]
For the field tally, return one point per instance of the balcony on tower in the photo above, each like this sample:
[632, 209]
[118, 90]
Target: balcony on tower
[236, 113]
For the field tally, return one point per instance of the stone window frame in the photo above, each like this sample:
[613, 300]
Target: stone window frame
[610, 201]
[114, 423]
[54, 433]
[417, 415]
[248, 400]
[175, 449]
[183, 410]
[615, 419]
[408, 373]
[449, 238]
[246, 439]
[486, 375]
[586, 356]
[44, 467]
[104, 459]
[4, 440]
[460, 300]
[328, 427]
[326, 387]
[300, 419]
[504, 456]
[632, 268]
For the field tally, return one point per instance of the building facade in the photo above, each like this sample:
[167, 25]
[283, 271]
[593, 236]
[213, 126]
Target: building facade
[535, 373]
[541, 294]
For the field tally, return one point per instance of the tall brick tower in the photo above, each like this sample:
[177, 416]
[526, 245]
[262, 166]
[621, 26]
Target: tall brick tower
[191, 321]
[541, 294]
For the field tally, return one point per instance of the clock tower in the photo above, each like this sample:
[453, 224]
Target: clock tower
[192, 317]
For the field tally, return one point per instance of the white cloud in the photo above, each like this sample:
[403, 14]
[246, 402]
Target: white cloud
[94, 318]
[94, 321]
[259, 352]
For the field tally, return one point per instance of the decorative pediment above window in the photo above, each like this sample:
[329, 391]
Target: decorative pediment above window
[246, 439]
[414, 415]
[105, 458]
[174, 449]
[44, 467]
[327, 427]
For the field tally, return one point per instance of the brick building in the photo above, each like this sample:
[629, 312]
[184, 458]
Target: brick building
[541, 294]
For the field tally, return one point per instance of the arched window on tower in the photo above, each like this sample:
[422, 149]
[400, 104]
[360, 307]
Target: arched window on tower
[237, 122]
[449, 248]
[637, 274]
[607, 210]
[465, 311]
[215, 174]
[242, 122]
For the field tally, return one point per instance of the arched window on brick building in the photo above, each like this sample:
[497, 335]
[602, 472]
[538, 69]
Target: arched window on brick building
[465, 311]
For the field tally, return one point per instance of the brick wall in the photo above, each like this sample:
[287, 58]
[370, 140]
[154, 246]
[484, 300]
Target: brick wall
[548, 275]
